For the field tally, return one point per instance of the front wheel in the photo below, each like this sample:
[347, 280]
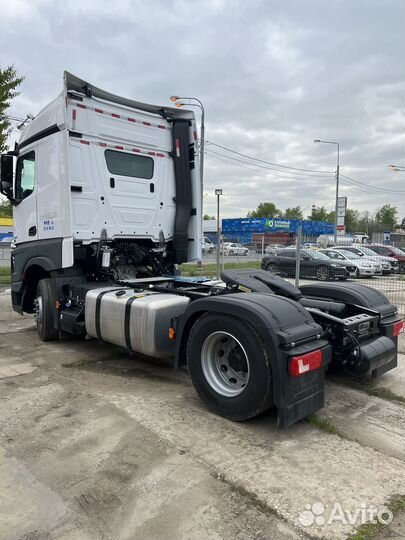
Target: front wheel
[322, 273]
[229, 367]
[45, 310]
[270, 267]
[230, 252]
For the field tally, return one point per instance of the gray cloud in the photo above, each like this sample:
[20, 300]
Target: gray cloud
[272, 75]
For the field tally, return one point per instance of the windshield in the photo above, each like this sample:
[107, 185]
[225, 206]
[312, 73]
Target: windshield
[368, 251]
[396, 250]
[350, 254]
[316, 255]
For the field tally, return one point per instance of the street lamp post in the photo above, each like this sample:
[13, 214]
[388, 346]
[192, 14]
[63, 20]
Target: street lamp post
[218, 193]
[201, 145]
[337, 182]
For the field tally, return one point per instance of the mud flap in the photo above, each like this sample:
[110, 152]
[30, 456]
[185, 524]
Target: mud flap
[302, 396]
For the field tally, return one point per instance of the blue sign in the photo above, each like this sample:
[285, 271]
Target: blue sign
[266, 225]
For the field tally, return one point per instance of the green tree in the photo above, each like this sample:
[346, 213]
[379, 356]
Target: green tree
[366, 223]
[387, 216]
[402, 224]
[319, 213]
[352, 220]
[293, 213]
[8, 84]
[6, 210]
[207, 217]
[265, 210]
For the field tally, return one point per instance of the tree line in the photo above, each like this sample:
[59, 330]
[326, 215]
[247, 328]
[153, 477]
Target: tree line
[385, 218]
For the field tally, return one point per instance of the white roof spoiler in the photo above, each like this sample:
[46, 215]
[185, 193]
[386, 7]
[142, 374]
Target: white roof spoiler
[74, 84]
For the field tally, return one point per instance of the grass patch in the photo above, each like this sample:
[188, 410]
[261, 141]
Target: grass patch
[210, 270]
[323, 424]
[5, 275]
[369, 530]
[366, 387]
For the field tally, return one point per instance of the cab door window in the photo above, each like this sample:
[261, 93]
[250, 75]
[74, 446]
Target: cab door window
[25, 176]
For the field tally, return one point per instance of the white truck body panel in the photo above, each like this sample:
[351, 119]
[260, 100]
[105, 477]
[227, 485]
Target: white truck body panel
[76, 196]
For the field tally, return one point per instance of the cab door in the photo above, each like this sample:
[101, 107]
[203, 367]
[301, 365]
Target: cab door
[25, 211]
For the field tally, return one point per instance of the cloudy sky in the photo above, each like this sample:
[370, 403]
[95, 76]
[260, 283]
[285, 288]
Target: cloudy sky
[272, 74]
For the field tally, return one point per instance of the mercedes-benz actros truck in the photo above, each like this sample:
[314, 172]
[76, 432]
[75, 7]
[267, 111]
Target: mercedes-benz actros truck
[107, 203]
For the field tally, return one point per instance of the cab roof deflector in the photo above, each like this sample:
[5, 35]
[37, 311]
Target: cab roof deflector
[74, 84]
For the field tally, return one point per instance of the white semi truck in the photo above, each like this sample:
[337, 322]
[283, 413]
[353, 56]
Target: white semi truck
[106, 205]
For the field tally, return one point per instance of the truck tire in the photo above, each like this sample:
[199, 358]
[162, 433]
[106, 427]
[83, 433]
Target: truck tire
[229, 367]
[45, 310]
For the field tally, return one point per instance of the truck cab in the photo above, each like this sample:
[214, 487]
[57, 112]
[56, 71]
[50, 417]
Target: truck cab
[96, 178]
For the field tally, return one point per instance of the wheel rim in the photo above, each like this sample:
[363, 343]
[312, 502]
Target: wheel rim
[231, 253]
[322, 273]
[39, 311]
[225, 364]
[271, 268]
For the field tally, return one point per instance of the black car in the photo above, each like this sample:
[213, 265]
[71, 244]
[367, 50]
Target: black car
[313, 264]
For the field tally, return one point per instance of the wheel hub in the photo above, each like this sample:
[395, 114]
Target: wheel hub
[225, 364]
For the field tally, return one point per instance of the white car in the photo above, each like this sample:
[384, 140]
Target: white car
[207, 246]
[230, 248]
[364, 267]
[388, 264]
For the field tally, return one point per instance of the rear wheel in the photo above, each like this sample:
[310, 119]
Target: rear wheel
[271, 267]
[45, 310]
[229, 367]
[322, 273]
[230, 252]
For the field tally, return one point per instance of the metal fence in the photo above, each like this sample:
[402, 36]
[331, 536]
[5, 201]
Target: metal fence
[304, 259]
[5, 254]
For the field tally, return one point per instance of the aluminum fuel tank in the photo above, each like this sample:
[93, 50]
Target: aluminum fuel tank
[139, 321]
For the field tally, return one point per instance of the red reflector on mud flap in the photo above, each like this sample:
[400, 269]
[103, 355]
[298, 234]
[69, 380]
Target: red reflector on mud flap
[299, 365]
[398, 328]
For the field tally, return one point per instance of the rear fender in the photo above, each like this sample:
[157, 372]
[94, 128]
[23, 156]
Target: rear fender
[351, 293]
[286, 329]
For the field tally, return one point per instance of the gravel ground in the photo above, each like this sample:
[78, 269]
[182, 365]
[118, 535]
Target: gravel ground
[98, 444]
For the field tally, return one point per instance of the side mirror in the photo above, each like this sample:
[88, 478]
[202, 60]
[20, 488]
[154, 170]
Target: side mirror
[6, 175]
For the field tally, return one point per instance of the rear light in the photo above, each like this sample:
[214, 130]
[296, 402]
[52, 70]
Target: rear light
[398, 328]
[299, 365]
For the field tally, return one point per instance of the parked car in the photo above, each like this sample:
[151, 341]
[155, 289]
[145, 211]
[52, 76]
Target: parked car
[364, 267]
[231, 248]
[313, 264]
[390, 251]
[253, 247]
[208, 246]
[389, 264]
[273, 248]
